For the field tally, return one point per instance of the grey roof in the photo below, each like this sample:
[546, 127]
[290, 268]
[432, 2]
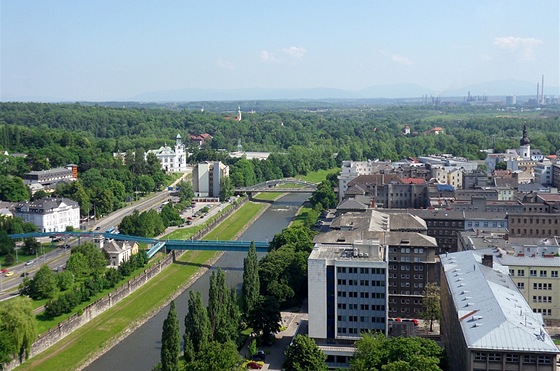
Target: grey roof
[351, 204]
[386, 238]
[46, 204]
[534, 261]
[492, 312]
[375, 220]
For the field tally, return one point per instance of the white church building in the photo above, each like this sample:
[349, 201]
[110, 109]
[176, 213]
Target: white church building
[172, 159]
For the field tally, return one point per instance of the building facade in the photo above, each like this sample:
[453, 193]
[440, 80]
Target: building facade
[172, 159]
[206, 178]
[50, 214]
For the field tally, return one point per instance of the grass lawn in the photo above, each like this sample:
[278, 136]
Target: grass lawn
[235, 222]
[300, 218]
[319, 175]
[268, 196]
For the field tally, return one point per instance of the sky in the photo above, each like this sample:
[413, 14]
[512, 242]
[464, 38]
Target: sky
[98, 50]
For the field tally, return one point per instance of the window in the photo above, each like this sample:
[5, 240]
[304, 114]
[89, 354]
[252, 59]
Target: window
[512, 358]
[494, 357]
[520, 285]
[479, 356]
[554, 274]
[521, 272]
[512, 272]
[542, 273]
[533, 273]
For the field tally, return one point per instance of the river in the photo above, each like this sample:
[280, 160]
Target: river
[141, 349]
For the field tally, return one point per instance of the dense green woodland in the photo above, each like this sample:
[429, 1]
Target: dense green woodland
[301, 140]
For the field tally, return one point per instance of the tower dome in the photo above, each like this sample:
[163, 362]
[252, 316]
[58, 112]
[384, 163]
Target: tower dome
[525, 140]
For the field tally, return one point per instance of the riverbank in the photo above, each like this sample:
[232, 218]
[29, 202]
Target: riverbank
[96, 337]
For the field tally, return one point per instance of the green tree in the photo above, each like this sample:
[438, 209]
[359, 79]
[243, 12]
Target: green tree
[324, 195]
[223, 310]
[431, 304]
[217, 356]
[265, 317]
[197, 326]
[250, 290]
[44, 284]
[170, 216]
[226, 188]
[13, 189]
[31, 246]
[17, 320]
[303, 354]
[252, 348]
[186, 193]
[376, 352]
[170, 341]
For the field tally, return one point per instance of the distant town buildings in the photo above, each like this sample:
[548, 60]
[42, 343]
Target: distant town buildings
[50, 214]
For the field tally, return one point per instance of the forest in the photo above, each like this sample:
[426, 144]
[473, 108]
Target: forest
[309, 137]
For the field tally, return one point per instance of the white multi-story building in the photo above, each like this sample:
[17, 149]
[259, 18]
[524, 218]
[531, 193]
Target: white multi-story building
[172, 159]
[543, 172]
[50, 214]
[352, 169]
[206, 178]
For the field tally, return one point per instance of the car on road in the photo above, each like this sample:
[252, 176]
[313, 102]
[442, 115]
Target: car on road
[4, 270]
[29, 262]
[9, 274]
[97, 228]
[24, 274]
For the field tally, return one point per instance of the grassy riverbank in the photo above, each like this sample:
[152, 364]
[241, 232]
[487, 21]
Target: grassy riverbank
[97, 335]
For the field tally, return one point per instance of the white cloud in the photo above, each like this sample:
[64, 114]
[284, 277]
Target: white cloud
[296, 52]
[524, 46]
[400, 59]
[285, 55]
[267, 56]
[225, 64]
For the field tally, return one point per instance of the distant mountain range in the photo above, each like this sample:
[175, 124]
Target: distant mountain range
[394, 91]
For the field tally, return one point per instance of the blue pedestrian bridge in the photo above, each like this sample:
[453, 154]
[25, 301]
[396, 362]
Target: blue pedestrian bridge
[155, 244]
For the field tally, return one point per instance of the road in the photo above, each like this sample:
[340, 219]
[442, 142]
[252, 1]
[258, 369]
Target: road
[58, 257]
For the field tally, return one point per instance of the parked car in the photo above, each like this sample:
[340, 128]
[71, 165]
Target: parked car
[254, 365]
[189, 222]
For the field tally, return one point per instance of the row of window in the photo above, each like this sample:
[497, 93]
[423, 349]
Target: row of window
[405, 292]
[342, 281]
[354, 294]
[537, 220]
[361, 270]
[363, 319]
[542, 232]
[444, 224]
[542, 299]
[545, 312]
[533, 273]
[486, 224]
[406, 267]
[350, 306]
[513, 358]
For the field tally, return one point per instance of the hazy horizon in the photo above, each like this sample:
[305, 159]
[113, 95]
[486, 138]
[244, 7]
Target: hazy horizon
[116, 51]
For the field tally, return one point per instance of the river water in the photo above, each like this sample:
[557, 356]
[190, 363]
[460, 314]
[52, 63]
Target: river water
[141, 349]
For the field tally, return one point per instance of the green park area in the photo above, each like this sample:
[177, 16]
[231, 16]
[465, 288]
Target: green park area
[76, 348]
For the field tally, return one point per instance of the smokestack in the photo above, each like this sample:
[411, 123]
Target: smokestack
[542, 90]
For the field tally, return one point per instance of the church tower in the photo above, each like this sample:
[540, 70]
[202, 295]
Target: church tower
[525, 144]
